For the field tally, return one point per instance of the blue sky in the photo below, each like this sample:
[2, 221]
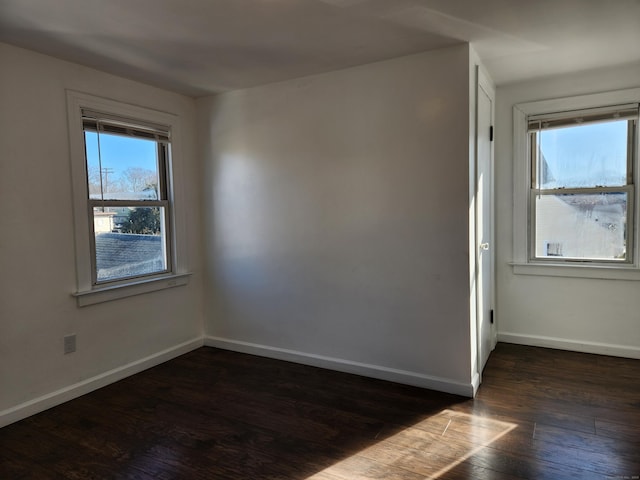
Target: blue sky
[120, 153]
[586, 155]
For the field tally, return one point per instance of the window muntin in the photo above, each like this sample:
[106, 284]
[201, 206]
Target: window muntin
[127, 195]
[581, 194]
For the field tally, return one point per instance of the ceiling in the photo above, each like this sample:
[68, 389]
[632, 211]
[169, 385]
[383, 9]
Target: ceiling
[199, 47]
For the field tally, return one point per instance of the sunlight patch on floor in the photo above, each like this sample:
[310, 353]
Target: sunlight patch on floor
[426, 450]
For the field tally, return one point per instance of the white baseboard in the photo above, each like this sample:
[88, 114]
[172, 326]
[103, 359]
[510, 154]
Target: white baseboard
[475, 382]
[347, 366]
[573, 345]
[52, 399]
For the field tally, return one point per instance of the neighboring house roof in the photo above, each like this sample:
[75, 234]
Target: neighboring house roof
[128, 254]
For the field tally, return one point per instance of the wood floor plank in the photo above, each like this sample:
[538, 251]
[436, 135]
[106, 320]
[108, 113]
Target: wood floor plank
[540, 414]
[627, 432]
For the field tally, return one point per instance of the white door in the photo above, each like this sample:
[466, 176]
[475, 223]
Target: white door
[484, 225]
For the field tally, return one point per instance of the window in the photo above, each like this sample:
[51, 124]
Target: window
[575, 177]
[127, 197]
[121, 159]
[581, 197]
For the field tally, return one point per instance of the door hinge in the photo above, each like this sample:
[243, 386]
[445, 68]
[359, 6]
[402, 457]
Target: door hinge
[491, 316]
[491, 133]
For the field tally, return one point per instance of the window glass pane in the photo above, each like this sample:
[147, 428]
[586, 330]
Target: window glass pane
[129, 242]
[587, 155]
[122, 168]
[581, 226]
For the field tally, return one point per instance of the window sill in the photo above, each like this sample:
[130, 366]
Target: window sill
[603, 272]
[114, 292]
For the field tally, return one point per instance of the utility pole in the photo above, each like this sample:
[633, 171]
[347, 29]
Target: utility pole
[105, 173]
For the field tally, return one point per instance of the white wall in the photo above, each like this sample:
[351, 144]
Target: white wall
[592, 315]
[337, 210]
[37, 261]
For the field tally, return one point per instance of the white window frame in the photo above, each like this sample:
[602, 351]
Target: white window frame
[88, 291]
[523, 263]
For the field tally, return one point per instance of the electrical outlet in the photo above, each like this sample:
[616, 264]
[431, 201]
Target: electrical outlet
[70, 343]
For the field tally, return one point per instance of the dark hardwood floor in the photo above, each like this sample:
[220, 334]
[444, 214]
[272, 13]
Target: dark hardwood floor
[213, 414]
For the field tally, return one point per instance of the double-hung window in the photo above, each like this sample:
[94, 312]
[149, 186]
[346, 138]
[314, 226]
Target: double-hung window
[127, 197]
[575, 176]
[581, 196]
[125, 217]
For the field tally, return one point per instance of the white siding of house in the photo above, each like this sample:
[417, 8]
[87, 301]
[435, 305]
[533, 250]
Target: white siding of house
[597, 233]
